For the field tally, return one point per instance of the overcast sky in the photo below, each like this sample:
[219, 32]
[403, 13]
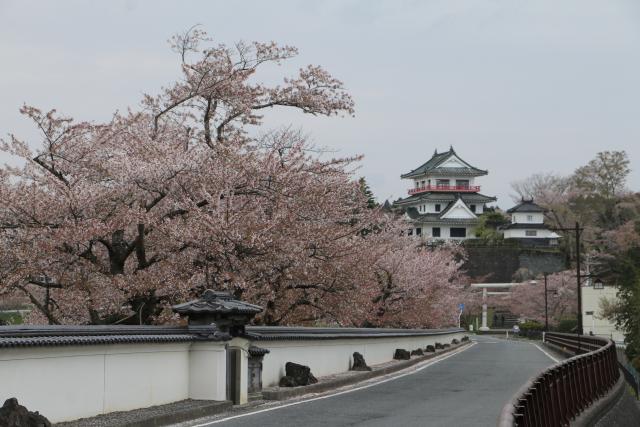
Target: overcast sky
[517, 87]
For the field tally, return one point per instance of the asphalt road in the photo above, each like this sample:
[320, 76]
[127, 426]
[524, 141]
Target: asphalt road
[466, 389]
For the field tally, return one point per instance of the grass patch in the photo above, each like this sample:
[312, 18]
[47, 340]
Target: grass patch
[10, 318]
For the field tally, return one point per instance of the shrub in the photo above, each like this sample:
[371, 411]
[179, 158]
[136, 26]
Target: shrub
[531, 325]
[567, 325]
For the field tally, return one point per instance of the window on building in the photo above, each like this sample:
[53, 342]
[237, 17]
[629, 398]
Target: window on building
[418, 231]
[440, 183]
[410, 232]
[598, 284]
[437, 207]
[589, 313]
[417, 184]
[464, 183]
[458, 232]
[473, 208]
[529, 218]
[422, 183]
[435, 232]
[530, 233]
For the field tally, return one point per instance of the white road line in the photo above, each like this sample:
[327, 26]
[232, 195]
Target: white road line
[548, 355]
[426, 365]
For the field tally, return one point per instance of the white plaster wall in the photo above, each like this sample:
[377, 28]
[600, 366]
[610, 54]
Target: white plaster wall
[326, 357]
[71, 382]
[596, 323]
[208, 371]
[445, 231]
[522, 218]
[521, 233]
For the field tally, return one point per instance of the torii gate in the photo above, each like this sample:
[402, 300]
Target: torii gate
[485, 291]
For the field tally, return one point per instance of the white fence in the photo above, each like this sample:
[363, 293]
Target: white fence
[330, 350]
[67, 373]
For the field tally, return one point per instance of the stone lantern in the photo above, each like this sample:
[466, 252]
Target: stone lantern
[221, 308]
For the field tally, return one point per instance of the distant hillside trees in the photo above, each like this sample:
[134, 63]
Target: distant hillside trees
[596, 196]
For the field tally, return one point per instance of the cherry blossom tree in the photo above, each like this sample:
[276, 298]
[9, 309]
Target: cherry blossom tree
[527, 299]
[417, 286]
[113, 222]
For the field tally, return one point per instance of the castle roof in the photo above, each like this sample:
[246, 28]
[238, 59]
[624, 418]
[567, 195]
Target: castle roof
[436, 218]
[439, 164]
[442, 217]
[526, 206]
[444, 198]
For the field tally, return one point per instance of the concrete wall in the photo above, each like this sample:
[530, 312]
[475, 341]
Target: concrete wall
[76, 381]
[326, 357]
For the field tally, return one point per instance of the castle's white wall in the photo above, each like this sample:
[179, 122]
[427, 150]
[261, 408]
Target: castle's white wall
[527, 218]
[326, 357]
[70, 382]
[522, 234]
[445, 231]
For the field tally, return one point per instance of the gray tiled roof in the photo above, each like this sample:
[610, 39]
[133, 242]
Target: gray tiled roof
[438, 158]
[90, 340]
[446, 221]
[445, 197]
[216, 302]
[527, 206]
[61, 335]
[436, 218]
[281, 333]
[258, 351]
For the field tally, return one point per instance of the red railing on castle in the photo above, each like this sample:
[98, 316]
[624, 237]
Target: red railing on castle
[563, 391]
[458, 188]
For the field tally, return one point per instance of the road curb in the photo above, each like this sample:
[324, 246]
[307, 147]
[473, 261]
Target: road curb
[155, 416]
[352, 377]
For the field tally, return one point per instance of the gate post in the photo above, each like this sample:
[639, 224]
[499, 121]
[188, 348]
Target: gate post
[240, 350]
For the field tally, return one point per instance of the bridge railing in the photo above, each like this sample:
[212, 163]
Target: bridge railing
[560, 393]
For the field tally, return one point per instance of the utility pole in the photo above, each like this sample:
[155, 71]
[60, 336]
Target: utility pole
[577, 230]
[546, 306]
[579, 279]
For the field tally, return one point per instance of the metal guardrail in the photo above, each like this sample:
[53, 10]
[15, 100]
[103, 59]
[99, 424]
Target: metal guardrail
[560, 393]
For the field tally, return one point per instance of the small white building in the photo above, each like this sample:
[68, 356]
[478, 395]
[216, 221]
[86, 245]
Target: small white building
[527, 224]
[592, 319]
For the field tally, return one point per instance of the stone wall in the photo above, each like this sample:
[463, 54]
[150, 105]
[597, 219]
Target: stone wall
[499, 262]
